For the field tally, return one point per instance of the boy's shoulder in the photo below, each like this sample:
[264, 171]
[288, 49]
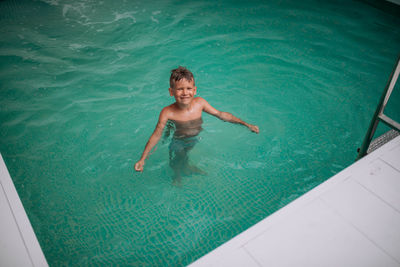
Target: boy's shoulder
[199, 99]
[199, 102]
[168, 108]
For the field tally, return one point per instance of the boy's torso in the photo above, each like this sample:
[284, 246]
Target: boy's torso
[185, 129]
[188, 120]
[193, 112]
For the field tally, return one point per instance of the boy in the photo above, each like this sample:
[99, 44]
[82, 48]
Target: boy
[185, 115]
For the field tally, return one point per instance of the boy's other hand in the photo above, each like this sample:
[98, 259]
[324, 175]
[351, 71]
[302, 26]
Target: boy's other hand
[254, 128]
[139, 166]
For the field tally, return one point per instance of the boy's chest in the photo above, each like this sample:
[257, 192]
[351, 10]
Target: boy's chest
[187, 115]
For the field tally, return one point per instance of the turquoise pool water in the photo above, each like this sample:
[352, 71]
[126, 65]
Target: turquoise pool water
[82, 83]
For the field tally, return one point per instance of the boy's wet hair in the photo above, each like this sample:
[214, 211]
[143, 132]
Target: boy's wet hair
[179, 74]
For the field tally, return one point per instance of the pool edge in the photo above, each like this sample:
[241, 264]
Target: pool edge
[19, 244]
[242, 251]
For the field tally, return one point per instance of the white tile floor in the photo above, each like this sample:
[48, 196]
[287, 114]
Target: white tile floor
[352, 219]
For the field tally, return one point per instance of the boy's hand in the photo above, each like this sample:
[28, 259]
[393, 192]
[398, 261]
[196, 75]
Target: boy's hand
[139, 166]
[254, 128]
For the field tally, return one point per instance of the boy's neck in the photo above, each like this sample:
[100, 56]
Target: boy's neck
[183, 106]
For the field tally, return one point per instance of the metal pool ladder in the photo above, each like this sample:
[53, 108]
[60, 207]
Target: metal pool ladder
[366, 146]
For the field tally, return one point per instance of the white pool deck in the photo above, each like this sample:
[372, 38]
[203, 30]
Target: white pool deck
[18, 244]
[352, 219]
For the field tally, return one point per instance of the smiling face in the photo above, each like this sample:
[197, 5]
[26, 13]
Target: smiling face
[183, 91]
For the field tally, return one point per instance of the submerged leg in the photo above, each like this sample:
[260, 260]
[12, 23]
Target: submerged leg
[196, 170]
[177, 161]
[179, 158]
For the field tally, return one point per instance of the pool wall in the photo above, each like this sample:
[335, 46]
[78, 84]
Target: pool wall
[388, 6]
[395, 1]
[18, 243]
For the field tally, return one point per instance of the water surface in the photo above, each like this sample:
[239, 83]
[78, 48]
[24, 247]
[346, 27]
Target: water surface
[82, 84]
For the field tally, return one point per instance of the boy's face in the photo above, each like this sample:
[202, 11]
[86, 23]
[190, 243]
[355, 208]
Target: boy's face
[183, 91]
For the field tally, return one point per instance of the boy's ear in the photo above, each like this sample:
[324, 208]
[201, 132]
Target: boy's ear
[170, 91]
[195, 90]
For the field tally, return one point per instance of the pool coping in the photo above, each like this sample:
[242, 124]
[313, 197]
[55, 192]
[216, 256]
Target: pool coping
[299, 229]
[18, 243]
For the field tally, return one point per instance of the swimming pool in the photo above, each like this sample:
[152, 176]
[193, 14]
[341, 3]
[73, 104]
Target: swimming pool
[82, 83]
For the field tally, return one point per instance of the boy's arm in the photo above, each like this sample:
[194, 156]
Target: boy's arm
[153, 140]
[226, 116]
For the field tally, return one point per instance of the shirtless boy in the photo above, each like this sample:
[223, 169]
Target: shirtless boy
[185, 115]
